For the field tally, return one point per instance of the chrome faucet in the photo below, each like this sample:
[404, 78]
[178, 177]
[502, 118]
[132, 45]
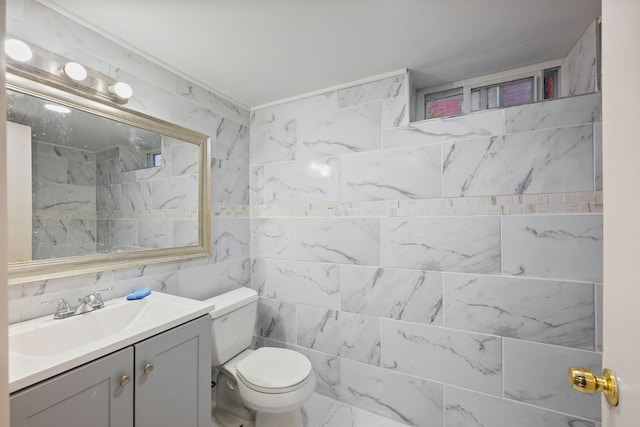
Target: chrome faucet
[86, 305]
[97, 301]
[89, 303]
[64, 309]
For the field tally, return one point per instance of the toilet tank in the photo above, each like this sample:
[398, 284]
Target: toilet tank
[234, 318]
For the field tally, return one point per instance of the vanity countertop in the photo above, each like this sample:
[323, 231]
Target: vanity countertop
[42, 348]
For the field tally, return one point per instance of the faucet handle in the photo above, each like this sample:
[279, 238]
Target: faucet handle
[98, 302]
[64, 309]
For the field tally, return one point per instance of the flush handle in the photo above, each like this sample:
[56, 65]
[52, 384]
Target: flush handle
[125, 380]
[148, 368]
[583, 380]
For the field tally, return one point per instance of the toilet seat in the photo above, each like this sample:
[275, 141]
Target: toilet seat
[274, 370]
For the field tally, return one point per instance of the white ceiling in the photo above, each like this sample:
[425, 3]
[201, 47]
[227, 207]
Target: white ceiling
[260, 51]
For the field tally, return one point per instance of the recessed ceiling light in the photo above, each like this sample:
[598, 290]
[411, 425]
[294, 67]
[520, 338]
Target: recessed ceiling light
[57, 108]
[17, 50]
[75, 71]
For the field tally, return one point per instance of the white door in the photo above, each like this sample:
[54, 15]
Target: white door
[621, 172]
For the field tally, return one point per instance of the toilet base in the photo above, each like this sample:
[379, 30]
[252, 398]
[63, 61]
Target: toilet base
[229, 410]
[228, 419]
[240, 406]
[289, 419]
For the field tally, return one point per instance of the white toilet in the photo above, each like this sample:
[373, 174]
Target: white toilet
[261, 388]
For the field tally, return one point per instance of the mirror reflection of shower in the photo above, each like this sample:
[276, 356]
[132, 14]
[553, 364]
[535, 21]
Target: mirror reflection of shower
[91, 183]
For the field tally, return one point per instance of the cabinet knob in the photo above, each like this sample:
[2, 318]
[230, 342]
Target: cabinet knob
[125, 380]
[148, 368]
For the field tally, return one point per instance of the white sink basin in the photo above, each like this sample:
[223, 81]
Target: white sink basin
[52, 337]
[41, 348]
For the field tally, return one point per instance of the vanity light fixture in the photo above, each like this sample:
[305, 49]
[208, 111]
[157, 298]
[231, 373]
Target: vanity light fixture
[67, 75]
[18, 50]
[121, 90]
[75, 71]
[57, 108]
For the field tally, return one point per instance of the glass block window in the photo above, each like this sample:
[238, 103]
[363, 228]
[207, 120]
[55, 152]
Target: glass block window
[441, 104]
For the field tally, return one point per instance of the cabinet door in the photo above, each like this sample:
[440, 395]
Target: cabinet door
[173, 377]
[88, 396]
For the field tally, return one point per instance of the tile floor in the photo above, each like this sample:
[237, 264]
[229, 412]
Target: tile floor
[322, 411]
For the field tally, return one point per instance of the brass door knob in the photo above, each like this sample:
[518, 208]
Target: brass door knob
[583, 380]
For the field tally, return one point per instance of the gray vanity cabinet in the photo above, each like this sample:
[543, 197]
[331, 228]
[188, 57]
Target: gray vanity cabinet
[88, 396]
[173, 377]
[163, 381]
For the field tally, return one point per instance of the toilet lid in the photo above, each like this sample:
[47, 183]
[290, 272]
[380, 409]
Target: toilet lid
[274, 370]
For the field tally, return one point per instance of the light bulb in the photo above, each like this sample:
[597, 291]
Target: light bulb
[75, 71]
[18, 50]
[121, 90]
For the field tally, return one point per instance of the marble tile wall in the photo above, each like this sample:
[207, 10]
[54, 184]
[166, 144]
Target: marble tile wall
[161, 93]
[438, 273]
[580, 66]
[64, 201]
[140, 207]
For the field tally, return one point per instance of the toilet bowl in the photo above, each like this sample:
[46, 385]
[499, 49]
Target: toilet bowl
[273, 382]
[264, 387]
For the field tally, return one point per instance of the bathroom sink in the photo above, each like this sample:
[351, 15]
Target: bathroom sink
[52, 337]
[41, 348]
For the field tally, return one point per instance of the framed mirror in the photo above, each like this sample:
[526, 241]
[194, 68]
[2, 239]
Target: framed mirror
[94, 186]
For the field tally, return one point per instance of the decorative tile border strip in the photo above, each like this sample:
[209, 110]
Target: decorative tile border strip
[555, 203]
[63, 215]
[230, 210]
[531, 204]
[141, 214]
[150, 214]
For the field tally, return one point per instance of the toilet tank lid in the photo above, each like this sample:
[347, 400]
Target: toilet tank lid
[230, 301]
